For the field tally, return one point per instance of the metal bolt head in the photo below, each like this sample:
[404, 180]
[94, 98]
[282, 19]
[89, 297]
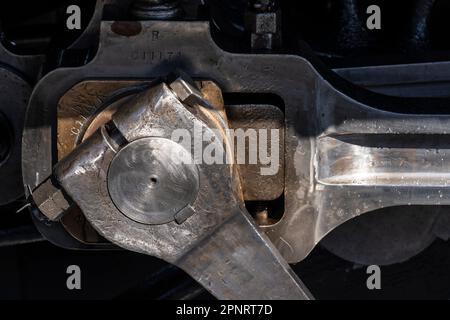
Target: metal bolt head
[51, 200]
[152, 180]
[263, 41]
[266, 22]
[186, 90]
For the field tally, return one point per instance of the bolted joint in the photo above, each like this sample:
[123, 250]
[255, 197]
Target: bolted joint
[264, 41]
[265, 29]
[51, 200]
[186, 90]
[265, 22]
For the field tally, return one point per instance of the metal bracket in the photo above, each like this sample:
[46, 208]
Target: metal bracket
[335, 134]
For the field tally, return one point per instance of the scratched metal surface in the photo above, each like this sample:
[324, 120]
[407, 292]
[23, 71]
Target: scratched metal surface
[312, 208]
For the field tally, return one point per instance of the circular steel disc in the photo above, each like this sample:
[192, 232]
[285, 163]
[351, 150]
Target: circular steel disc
[149, 182]
[13, 103]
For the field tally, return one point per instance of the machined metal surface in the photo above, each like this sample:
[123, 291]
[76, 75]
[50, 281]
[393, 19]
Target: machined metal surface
[345, 155]
[204, 237]
[406, 231]
[151, 180]
[88, 105]
[257, 187]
